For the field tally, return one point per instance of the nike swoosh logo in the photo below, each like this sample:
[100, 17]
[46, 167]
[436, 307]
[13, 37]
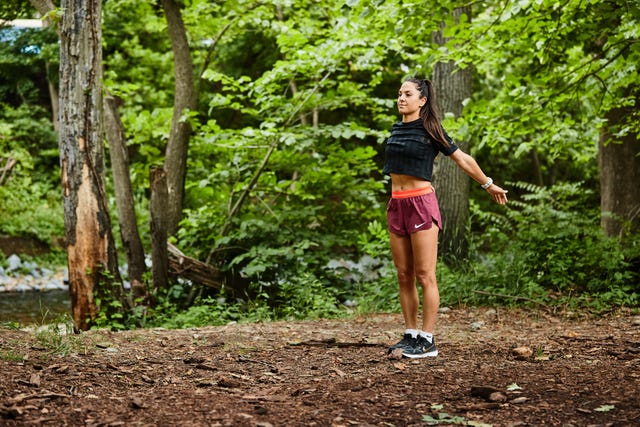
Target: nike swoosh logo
[419, 225]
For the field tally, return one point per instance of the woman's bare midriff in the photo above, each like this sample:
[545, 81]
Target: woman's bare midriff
[406, 182]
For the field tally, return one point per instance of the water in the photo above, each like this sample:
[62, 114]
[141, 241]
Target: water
[34, 307]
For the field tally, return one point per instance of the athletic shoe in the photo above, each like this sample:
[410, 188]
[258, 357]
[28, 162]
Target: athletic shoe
[407, 342]
[423, 348]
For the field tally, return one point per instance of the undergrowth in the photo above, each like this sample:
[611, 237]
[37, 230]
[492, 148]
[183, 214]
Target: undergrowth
[542, 251]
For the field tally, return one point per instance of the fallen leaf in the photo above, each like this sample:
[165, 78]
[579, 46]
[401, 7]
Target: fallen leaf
[339, 372]
[137, 403]
[146, 379]
[497, 396]
[396, 354]
[34, 380]
[522, 352]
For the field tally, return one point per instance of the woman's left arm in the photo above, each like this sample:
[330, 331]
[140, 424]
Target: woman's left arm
[471, 168]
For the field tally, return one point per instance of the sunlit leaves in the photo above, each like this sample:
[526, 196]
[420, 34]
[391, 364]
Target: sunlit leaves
[547, 74]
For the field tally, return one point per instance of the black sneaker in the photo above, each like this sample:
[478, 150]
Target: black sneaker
[423, 348]
[407, 342]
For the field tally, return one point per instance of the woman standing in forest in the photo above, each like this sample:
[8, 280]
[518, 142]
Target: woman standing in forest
[413, 214]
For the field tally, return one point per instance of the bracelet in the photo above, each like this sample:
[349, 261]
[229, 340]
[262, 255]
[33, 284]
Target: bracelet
[487, 184]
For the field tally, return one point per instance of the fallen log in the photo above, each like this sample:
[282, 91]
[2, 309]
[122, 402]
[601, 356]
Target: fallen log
[196, 271]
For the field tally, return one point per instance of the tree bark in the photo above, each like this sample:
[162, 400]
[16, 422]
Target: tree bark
[43, 6]
[194, 270]
[55, 102]
[452, 86]
[129, 232]
[90, 247]
[184, 101]
[159, 254]
[619, 163]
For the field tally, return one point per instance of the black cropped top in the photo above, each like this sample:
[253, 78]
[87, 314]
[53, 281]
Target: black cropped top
[410, 150]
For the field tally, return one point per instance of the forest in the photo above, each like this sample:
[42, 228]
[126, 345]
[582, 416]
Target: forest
[197, 163]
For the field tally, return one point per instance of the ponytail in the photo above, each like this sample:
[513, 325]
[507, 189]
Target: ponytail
[429, 112]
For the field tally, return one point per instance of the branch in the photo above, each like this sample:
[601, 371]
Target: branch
[10, 163]
[193, 269]
[43, 6]
[263, 164]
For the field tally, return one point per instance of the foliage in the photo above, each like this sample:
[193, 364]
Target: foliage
[28, 194]
[284, 191]
[29, 63]
[557, 254]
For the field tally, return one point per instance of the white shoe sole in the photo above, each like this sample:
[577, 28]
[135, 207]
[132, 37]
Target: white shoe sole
[421, 356]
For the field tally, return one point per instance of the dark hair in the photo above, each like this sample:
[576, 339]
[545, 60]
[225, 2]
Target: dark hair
[429, 112]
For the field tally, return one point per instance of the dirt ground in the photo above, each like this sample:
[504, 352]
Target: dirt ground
[568, 371]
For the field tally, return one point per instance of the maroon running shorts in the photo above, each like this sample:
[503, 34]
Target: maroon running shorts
[413, 210]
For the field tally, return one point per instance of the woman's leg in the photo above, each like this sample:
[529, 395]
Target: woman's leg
[424, 246]
[402, 253]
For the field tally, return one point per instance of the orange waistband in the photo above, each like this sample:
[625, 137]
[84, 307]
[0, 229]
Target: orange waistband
[414, 192]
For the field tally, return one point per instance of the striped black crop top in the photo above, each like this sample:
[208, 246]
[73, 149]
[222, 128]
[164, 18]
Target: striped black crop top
[410, 150]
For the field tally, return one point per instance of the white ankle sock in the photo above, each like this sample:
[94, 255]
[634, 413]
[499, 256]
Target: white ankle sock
[414, 332]
[427, 335]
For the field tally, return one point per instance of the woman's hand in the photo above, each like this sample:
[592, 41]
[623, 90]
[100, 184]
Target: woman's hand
[498, 194]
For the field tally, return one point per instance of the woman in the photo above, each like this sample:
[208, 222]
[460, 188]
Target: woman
[413, 213]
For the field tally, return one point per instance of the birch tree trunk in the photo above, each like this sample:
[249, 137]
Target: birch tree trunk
[452, 86]
[93, 273]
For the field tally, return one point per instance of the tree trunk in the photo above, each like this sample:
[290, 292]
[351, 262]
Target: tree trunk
[452, 86]
[159, 251]
[184, 101]
[55, 102]
[90, 248]
[196, 271]
[124, 197]
[619, 162]
[43, 6]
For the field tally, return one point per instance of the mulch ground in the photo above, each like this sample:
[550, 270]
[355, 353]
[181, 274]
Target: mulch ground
[495, 368]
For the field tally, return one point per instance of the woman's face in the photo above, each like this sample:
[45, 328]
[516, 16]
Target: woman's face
[410, 101]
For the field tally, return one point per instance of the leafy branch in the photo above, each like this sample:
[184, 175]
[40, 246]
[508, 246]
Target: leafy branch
[263, 164]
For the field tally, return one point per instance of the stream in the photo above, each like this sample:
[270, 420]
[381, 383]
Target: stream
[33, 307]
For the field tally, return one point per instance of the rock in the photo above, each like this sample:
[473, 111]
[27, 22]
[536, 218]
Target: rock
[20, 287]
[30, 265]
[54, 285]
[476, 326]
[491, 314]
[14, 262]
